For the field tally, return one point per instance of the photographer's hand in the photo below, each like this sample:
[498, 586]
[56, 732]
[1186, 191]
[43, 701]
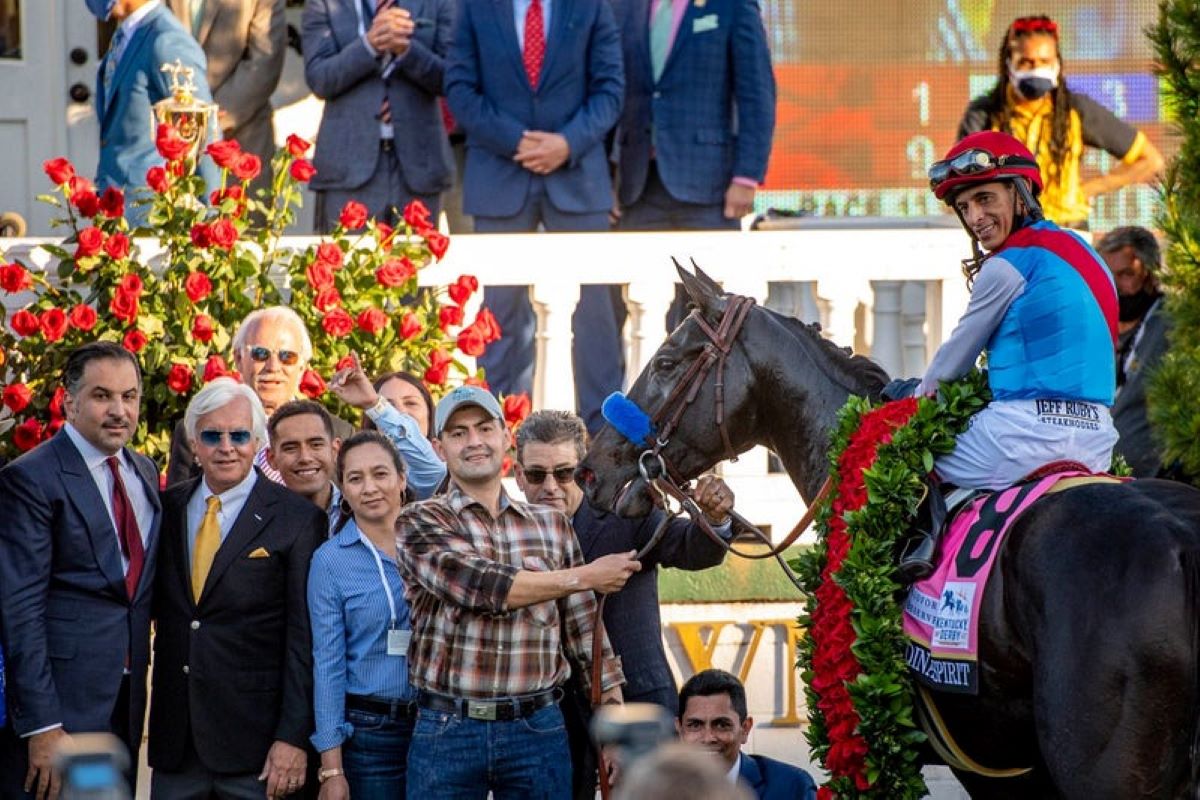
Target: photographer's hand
[41, 779]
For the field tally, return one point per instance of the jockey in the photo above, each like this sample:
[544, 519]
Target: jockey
[1044, 310]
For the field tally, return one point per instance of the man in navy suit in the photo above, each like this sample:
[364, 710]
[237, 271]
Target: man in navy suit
[130, 82]
[537, 85]
[78, 548]
[713, 715]
[550, 445]
[378, 66]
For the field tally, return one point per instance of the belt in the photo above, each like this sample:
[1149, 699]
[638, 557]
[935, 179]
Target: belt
[392, 709]
[500, 709]
[387, 145]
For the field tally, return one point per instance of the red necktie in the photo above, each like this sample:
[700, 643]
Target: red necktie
[127, 529]
[385, 108]
[535, 43]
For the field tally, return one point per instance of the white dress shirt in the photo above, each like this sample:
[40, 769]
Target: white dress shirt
[232, 502]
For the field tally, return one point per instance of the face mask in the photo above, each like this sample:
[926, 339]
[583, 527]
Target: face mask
[1132, 307]
[1034, 83]
[101, 9]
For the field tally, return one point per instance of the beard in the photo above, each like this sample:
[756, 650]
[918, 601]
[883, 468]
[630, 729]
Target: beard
[1132, 307]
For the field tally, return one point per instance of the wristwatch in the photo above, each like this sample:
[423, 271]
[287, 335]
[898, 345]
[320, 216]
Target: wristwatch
[325, 774]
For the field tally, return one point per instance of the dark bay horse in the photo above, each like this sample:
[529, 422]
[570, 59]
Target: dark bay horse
[1090, 625]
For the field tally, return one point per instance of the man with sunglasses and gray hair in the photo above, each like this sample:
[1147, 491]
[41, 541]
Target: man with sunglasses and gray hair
[231, 707]
[271, 350]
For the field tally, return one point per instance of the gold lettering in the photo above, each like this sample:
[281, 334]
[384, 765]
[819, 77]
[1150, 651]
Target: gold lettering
[698, 651]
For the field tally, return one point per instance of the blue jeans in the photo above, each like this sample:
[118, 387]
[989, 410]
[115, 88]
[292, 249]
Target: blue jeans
[455, 758]
[375, 758]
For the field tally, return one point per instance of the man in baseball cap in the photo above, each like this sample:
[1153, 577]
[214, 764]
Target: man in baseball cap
[462, 397]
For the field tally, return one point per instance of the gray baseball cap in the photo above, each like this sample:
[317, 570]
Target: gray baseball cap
[460, 398]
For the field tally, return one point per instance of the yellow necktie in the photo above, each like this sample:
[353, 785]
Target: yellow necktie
[208, 539]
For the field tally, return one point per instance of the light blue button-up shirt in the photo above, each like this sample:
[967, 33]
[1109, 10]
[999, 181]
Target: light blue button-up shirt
[520, 9]
[425, 470]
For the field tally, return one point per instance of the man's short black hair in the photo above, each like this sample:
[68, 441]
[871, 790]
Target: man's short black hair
[296, 408]
[710, 682]
[81, 356]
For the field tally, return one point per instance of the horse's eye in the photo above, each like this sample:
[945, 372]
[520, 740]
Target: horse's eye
[664, 364]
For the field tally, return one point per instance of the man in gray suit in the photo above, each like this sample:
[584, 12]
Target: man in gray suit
[244, 42]
[378, 66]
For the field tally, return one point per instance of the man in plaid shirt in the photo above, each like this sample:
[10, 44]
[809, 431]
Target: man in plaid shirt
[502, 609]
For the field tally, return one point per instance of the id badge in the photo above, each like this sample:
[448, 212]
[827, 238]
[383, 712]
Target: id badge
[398, 642]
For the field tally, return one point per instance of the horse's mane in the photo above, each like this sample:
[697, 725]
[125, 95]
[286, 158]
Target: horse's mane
[855, 370]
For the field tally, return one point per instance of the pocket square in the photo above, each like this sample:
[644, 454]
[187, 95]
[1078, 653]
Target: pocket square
[260, 552]
[706, 23]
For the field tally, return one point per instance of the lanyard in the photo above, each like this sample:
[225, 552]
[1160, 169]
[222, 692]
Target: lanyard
[382, 577]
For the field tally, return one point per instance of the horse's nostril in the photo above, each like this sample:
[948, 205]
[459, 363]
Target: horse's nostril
[584, 476]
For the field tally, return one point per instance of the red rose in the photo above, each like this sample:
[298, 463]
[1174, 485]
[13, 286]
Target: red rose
[58, 170]
[439, 368]
[329, 253]
[91, 240]
[225, 153]
[53, 322]
[202, 328]
[395, 272]
[471, 341]
[215, 367]
[134, 341]
[52, 428]
[319, 275]
[297, 146]
[197, 285]
[170, 144]
[112, 202]
[438, 244]
[345, 362]
[354, 215]
[416, 215]
[312, 385]
[224, 233]
[179, 378]
[463, 288]
[485, 321]
[385, 233]
[480, 382]
[825, 793]
[201, 235]
[87, 202]
[327, 299]
[83, 317]
[247, 167]
[234, 192]
[176, 168]
[450, 315]
[372, 320]
[56, 403]
[27, 435]
[156, 179]
[25, 323]
[80, 184]
[337, 323]
[302, 170]
[117, 246]
[516, 408]
[17, 396]
[410, 326]
[124, 306]
[15, 278]
[131, 283]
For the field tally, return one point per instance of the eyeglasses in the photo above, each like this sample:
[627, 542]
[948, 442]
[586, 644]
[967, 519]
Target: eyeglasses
[238, 438]
[563, 475]
[972, 162]
[263, 354]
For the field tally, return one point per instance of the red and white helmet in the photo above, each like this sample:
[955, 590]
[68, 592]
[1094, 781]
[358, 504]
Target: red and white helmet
[980, 158]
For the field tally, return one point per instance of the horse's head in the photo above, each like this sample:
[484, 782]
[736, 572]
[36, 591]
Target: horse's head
[698, 388]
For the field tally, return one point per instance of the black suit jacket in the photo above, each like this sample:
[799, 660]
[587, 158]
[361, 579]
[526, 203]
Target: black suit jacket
[235, 671]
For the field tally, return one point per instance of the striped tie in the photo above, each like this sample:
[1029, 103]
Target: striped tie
[385, 107]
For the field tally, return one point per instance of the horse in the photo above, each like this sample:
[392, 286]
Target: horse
[1090, 623]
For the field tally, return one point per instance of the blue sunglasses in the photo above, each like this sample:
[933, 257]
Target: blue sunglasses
[238, 438]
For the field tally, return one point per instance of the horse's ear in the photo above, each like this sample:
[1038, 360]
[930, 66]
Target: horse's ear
[703, 276]
[701, 290]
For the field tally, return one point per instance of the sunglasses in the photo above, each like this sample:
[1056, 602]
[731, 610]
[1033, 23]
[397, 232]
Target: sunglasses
[972, 162]
[263, 354]
[238, 438]
[563, 475]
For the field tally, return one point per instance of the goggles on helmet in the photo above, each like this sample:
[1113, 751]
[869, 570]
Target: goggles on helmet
[972, 162]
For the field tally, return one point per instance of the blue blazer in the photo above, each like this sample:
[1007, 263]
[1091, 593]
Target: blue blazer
[126, 113]
[65, 616]
[775, 780]
[578, 96]
[710, 116]
[342, 72]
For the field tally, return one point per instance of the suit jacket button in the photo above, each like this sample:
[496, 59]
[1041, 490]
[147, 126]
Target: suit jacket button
[195, 624]
[185, 669]
[657, 95]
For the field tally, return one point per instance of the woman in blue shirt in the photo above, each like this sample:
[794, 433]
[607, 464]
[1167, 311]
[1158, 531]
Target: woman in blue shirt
[361, 631]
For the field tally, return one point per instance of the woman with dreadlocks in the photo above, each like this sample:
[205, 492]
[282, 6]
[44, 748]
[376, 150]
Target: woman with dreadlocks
[1032, 102]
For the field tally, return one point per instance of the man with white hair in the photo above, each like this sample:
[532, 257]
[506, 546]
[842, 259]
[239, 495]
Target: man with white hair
[271, 350]
[232, 692]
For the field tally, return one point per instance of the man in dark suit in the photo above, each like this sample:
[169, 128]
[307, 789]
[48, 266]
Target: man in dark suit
[536, 85]
[550, 444]
[378, 66]
[232, 692]
[713, 715]
[78, 550]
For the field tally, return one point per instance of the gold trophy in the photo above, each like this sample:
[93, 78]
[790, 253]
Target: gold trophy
[182, 111]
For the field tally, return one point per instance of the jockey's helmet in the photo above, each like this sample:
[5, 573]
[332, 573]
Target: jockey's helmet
[981, 158]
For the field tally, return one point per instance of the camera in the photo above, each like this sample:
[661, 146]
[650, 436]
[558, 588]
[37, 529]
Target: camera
[93, 767]
[634, 729]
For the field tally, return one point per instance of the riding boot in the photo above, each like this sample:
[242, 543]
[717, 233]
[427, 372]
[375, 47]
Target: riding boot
[917, 562]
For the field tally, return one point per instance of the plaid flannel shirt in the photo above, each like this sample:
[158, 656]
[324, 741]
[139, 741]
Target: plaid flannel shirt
[458, 565]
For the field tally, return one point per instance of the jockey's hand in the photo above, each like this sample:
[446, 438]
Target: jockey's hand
[715, 499]
[900, 388]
